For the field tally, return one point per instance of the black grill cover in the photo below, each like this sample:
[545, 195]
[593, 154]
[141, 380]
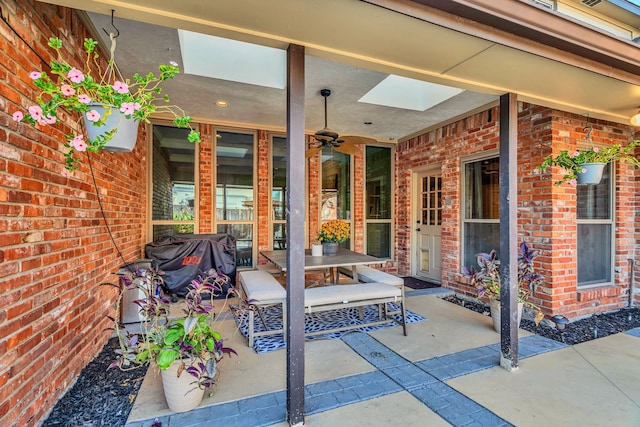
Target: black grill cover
[184, 257]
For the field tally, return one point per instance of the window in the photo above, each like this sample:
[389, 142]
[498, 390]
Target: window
[336, 188]
[481, 208]
[378, 201]
[173, 190]
[278, 191]
[595, 228]
[235, 198]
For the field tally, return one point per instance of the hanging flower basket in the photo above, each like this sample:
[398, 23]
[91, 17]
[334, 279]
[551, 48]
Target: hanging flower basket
[124, 130]
[591, 173]
[100, 95]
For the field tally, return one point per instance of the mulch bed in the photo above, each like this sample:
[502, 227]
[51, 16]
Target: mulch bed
[587, 329]
[100, 397]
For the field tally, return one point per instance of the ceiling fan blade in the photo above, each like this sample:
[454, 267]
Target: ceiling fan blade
[312, 152]
[355, 139]
[348, 149]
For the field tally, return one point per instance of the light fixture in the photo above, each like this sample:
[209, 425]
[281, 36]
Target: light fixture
[222, 104]
[635, 119]
[560, 321]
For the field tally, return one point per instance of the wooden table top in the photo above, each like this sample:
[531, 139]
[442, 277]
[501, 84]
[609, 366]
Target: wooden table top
[344, 258]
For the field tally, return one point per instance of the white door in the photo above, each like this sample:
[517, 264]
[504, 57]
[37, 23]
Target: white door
[428, 259]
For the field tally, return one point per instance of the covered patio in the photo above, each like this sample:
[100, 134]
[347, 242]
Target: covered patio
[530, 79]
[443, 373]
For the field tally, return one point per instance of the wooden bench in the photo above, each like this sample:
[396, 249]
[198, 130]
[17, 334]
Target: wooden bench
[261, 289]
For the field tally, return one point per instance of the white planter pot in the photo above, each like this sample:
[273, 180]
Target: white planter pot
[316, 250]
[495, 313]
[126, 135]
[593, 173]
[181, 392]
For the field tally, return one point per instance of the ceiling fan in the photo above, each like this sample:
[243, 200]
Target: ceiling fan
[326, 137]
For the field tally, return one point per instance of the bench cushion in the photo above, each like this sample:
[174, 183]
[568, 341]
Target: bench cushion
[324, 295]
[260, 286]
[370, 274]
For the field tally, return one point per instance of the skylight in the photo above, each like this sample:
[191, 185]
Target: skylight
[410, 94]
[218, 58]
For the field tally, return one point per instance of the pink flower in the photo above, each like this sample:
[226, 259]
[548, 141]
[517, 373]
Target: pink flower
[84, 99]
[50, 120]
[78, 143]
[120, 87]
[17, 116]
[36, 112]
[596, 150]
[129, 107]
[67, 90]
[75, 75]
[66, 173]
[575, 154]
[174, 63]
[584, 170]
[573, 182]
[93, 116]
[35, 75]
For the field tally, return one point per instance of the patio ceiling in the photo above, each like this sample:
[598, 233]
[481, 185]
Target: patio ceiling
[352, 46]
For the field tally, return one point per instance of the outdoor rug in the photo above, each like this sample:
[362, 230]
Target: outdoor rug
[413, 283]
[316, 322]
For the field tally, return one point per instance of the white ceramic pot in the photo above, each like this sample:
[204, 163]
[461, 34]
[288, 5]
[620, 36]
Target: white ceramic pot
[592, 174]
[127, 130]
[495, 313]
[181, 392]
[316, 250]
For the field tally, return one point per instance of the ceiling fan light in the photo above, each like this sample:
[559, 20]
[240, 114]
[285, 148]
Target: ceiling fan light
[635, 119]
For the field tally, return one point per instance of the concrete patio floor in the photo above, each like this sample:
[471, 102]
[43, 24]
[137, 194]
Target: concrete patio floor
[445, 372]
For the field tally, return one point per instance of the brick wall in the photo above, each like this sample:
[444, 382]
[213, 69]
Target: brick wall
[546, 212]
[55, 249]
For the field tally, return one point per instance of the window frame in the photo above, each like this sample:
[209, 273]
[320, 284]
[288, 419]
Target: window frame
[214, 178]
[272, 221]
[612, 228]
[196, 183]
[350, 221]
[463, 161]
[391, 220]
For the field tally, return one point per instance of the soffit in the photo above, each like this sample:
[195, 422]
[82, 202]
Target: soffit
[363, 35]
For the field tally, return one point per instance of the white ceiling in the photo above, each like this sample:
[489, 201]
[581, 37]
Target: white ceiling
[142, 47]
[371, 39]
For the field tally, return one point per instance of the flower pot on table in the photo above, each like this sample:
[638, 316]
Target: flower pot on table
[591, 173]
[126, 135]
[330, 248]
[316, 250]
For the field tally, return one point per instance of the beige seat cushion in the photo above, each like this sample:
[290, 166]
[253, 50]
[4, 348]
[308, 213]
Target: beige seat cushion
[314, 297]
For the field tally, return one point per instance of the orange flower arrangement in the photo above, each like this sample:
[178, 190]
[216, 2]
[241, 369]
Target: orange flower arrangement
[335, 230]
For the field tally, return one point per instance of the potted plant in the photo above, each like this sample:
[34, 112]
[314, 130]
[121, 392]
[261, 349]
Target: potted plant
[487, 281]
[331, 234]
[185, 348]
[578, 164]
[105, 102]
